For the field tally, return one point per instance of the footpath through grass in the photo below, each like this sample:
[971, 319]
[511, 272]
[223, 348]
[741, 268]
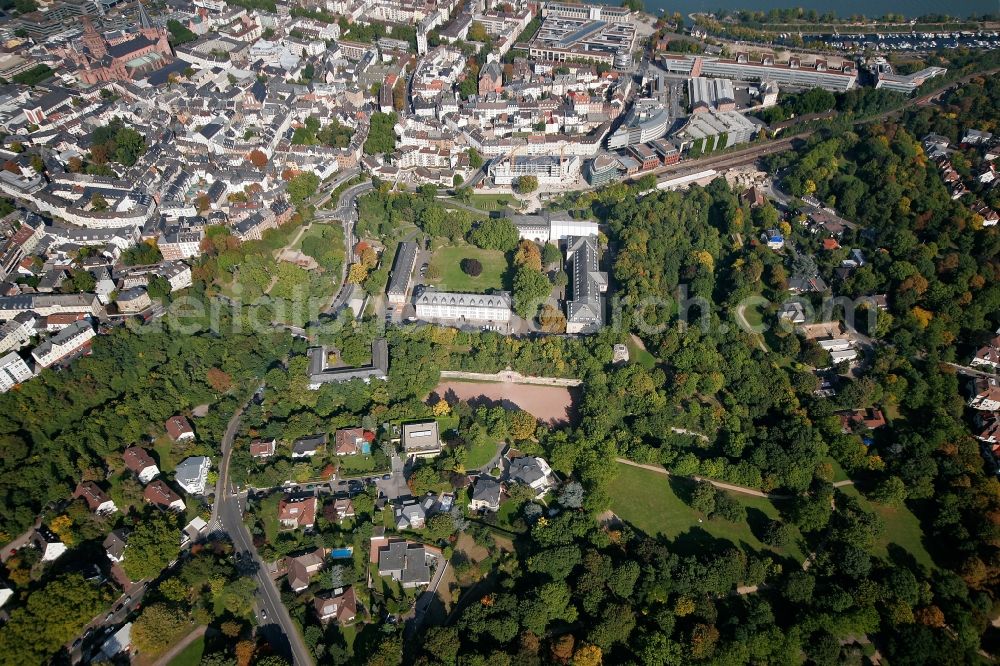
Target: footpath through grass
[191, 655]
[652, 503]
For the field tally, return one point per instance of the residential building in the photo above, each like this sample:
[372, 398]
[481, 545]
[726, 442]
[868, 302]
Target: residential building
[44, 305]
[406, 562]
[342, 509]
[115, 544]
[97, 500]
[262, 448]
[548, 169]
[988, 356]
[450, 306]
[585, 309]
[866, 419]
[13, 371]
[191, 474]
[421, 440]
[179, 429]
[302, 567]
[985, 394]
[132, 301]
[307, 447]
[16, 332]
[486, 495]
[296, 512]
[340, 605]
[159, 494]
[349, 441]
[410, 516]
[64, 344]
[531, 471]
[141, 464]
[46, 541]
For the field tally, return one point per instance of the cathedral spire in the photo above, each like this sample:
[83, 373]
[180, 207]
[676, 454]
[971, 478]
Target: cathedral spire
[144, 21]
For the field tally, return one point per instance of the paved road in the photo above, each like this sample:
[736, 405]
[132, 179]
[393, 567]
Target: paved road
[227, 515]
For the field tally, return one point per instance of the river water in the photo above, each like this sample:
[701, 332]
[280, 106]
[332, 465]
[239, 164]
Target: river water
[869, 8]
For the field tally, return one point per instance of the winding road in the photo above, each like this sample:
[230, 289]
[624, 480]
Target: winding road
[227, 516]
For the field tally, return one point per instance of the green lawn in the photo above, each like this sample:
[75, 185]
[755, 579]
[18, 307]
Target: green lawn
[506, 515]
[901, 528]
[163, 448]
[447, 261]
[357, 464]
[489, 202]
[269, 515]
[650, 502]
[838, 472]
[191, 655]
[480, 453]
[640, 355]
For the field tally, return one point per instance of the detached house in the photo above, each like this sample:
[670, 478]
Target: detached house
[340, 605]
[988, 356]
[421, 440]
[141, 464]
[159, 494]
[115, 545]
[46, 541]
[307, 447]
[985, 394]
[485, 495]
[302, 567]
[191, 474]
[350, 441]
[262, 448]
[296, 512]
[96, 499]
[342, 509]
[179, 429]
[406, 562]
[533, 472]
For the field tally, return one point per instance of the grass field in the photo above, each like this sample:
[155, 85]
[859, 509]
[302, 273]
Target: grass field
[191, 655]
[480, 453]
[447, 260]
[358, 464]
[490, 202]
[901, 529]
[640, 355]
[652, 503]
[269, 515]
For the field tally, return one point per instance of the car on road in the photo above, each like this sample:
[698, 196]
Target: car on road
[386, 477]
[263, 614]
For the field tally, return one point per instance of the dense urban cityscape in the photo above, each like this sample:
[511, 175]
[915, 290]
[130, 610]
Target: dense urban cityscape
[441, 332]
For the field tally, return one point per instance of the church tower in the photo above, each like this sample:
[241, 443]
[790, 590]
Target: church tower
[146, 27]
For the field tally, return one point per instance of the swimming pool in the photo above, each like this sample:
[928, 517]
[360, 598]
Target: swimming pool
[341, 553]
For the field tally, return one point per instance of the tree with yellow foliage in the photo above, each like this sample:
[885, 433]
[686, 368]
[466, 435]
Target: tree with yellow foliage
[528, 255]
[522, 425]
[441, 408]
[587, 655]
[357, 273]
[684, 606]
[922, 316]
[63, 527]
